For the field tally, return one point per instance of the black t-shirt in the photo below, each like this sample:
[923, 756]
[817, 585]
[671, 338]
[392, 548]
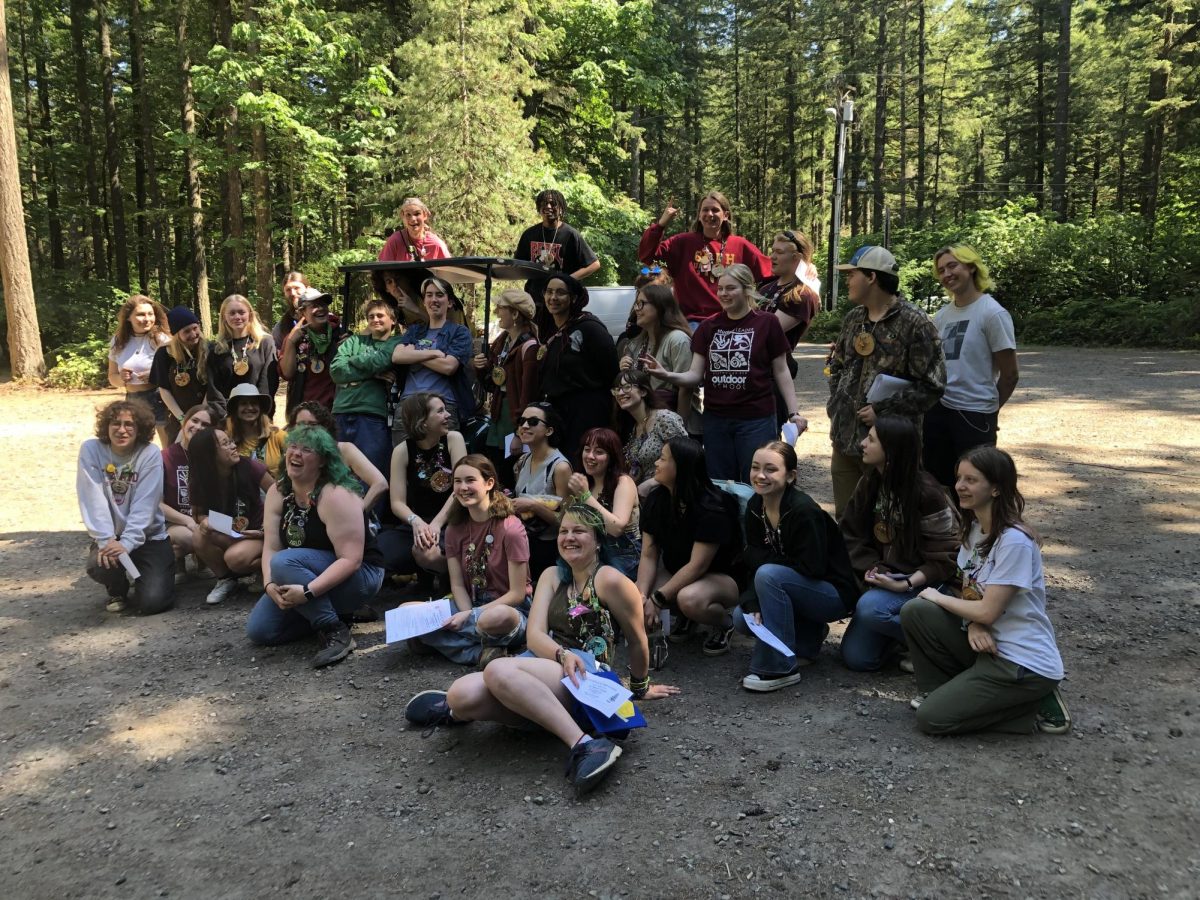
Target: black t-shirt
[711, 522]
[166, 373]
[560, 249]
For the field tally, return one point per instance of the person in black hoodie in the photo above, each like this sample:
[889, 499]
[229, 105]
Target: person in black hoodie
[578, 363]
[802, 578]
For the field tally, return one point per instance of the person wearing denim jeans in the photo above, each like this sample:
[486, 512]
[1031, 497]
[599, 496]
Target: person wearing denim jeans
[802, 576]
[874, 633]
[730, 443]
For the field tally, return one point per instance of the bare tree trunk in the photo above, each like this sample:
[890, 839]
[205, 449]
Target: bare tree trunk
[1155, 131]
[158, 236]
[937, 147]
[234, 267]
[24, 340]
[95, 220]
[192, 175]
[112, 152]
[922, 49]
[46, 124]
[137, 79]
[880, 118]
[264, 261]
[790, 122]
[1039, 157]
[904, 114]
[30, 135]
[737, 107]
[1062, 100]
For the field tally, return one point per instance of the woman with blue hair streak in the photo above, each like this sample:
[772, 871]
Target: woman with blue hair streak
[319, 559]
[570, 633]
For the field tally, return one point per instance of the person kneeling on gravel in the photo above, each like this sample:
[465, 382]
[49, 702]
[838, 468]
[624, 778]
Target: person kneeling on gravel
[571, 634]
[319, 560]
[119, 482]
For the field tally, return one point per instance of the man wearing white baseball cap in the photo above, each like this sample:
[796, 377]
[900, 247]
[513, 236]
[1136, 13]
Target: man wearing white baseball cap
[882, 336]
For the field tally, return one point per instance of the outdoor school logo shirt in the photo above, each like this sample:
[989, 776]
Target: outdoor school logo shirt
[738, 377]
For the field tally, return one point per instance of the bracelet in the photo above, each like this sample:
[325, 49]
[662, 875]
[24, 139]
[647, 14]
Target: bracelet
[639, 686]
[410, 518]
[585, 496]
[268, 584]
[558, 656]
[658, 599]
[908, 581]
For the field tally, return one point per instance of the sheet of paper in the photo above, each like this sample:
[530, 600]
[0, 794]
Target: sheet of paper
[885, 386]
[508, 440]
[218, 521]
[763, 633]
[602, 695]
[405, 622]
[790, 434]
[130, 569]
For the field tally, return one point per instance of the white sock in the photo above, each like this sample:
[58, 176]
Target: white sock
[583, 740]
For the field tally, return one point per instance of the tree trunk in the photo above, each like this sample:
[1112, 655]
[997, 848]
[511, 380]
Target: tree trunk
[737, 108]
[635, 158]
[192, 176]
[1039, 156]
[137, 81]
[922, 49]
[903, 115]
[790, 121]
[1152, 137]
[24, 340]
[95, 219]
[264, 261]
[46, 124]
[34, 235]
[158, 233]
[880, 118]
[112, 152]
[1062, 100]
[234, 268]
[937, 147]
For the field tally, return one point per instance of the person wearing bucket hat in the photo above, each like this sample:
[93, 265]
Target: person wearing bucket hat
[309, 351]
[180, 368]
[509, 370]
[882, 335]
[249, 421]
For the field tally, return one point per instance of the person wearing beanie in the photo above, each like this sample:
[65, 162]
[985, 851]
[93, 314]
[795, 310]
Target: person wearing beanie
[179, 370]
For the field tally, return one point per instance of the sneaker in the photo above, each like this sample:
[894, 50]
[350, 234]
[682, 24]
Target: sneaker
[224, 589]
[718, 641]
[590, 761]
[489, 654]
[761, 685]
[682, 628]
[916, 701]
[336, 644]
[430, 710]
[1052, 715]
[660, 649]
[115, 604]
[905, 664]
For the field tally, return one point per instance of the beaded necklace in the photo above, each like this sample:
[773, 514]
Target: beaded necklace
[593, 623]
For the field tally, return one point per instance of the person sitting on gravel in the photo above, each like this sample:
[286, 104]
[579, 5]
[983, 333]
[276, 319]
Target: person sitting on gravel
[487, 554]
[220, 480]
[901, 531]
[691, 539]
[1003, 670]
[119, 482]
[319, 561]
[248, 421]
[570, 634]
[802, 576]
[176, 501]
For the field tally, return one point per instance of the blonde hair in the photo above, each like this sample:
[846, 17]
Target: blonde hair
[740, 272]
[180, 354]
[968, 256]
[254, 330]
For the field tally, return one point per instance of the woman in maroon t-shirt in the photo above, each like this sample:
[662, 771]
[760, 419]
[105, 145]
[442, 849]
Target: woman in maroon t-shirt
[739, 355]
[176, 501]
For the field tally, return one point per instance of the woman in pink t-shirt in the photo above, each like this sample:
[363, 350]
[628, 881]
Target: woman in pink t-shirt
[414, 241]
[487, 554]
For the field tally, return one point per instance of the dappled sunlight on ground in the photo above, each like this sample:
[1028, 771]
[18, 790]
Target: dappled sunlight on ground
[186, 725]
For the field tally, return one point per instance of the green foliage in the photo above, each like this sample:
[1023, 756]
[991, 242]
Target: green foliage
[80, 366]
[612, 227]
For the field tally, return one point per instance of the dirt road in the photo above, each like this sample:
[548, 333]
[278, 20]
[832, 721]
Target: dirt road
[168, 757]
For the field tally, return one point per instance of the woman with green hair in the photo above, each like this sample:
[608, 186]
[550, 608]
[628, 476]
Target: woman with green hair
[319, 558]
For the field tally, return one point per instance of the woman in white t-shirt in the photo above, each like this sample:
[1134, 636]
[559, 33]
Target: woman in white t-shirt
[141, 330]
[988, 659]
[981, 362]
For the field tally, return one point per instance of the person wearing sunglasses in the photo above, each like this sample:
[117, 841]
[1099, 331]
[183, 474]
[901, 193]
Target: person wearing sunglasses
[792, 294]
[542, 478]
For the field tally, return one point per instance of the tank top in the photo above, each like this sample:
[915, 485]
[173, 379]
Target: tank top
[532, 482]
[427, 477]
[302, 527]
[582, 623]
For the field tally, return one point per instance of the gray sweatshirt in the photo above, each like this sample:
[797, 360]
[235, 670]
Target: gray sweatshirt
[133, 516]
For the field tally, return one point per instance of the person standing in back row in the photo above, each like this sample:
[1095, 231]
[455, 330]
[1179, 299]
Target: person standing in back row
[882, 335]
[309, 350]
[697, 258]
[556, 247]
[981, 362]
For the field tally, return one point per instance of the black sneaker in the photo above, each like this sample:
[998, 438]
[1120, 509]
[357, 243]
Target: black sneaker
[682, 628]
[1053, 716]
[590, 761]
[717, 642]
[430, 710]
[336, 644]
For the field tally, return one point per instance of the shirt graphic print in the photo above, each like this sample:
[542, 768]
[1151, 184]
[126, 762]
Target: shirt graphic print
[546, 254]
[729, 357]
[952, 338]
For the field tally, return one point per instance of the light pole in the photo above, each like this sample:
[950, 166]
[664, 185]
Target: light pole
[843, 115]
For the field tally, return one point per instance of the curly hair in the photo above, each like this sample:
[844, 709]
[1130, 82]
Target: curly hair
[501, 507]
[143, 418]
[333, 469]
[124, 332]
[319, 411]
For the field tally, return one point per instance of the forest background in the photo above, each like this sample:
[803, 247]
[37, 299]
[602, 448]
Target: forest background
[199, 148]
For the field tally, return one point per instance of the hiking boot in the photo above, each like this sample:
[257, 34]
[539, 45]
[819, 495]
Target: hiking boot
[336, 644]
[365, 613]
[590, 761]
[682, 628]
[224, 589]
[430, 710]
[1052, 714]
[765, 684]
[718, 639]
[489, 654]
[115, 604]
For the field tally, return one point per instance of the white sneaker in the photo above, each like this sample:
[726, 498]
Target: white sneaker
[916, 701]
[761, 685]
[222, 590]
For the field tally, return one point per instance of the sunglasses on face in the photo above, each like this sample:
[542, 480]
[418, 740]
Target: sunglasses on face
[531, 421]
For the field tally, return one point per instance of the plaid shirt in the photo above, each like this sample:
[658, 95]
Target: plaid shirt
[907, 346]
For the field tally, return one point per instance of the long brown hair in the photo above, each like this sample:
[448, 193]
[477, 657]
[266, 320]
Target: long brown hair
[124, 333]
[723, 202]
[999, 470]
[501, 507]
[670, 316]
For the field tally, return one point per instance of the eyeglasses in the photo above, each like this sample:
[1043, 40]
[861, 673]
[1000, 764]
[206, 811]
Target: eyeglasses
[639, 304]
[623, 389]
[532, 421]
[651, 270]
[124, 425]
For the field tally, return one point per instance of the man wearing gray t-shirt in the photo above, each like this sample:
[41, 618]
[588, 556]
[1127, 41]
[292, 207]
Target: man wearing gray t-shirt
[981, 362]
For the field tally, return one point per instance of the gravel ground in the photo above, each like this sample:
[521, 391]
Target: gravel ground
[168, 757]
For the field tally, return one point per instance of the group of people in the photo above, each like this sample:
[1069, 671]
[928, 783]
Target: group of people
[632, 490]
